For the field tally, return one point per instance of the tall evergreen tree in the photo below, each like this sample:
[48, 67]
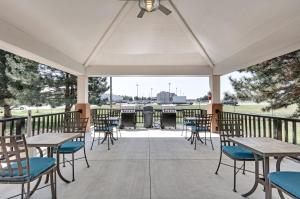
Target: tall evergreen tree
[20, 82]
[276, 81]
[59, 87]
[97, 87]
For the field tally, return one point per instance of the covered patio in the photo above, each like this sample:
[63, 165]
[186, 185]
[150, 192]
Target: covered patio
[153, 164]
[199, 38]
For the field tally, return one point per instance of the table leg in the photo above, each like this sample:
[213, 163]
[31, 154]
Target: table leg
[266, 171]
[58, 168]
[256, 178]
[40, 178]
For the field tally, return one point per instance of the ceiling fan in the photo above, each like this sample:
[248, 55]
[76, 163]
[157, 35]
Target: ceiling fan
[150, 6]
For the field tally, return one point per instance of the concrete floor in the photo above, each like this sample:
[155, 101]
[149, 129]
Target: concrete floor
[152, 164]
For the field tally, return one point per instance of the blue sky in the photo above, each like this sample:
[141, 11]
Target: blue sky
[192, 87]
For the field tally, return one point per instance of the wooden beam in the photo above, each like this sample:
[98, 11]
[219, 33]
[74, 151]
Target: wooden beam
[193, 35]
[107, 32]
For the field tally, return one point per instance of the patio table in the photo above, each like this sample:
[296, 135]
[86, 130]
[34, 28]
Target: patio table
[51, 140]
[266, 148]
[193, 120]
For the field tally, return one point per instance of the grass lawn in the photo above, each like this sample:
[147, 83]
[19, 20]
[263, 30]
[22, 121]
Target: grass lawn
[242, 108]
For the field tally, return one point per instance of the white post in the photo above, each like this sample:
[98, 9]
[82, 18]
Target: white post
[31, 152]
[215, 106]
[82, 89]
[214, 84]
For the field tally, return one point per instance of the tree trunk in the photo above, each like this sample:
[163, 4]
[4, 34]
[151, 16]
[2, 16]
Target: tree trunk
[7, 111]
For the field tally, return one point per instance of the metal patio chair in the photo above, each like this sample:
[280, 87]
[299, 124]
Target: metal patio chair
[103, 125]
[16, 167]
[74, 125]
[116, 123]
[233, 128]
[186, 123]
[202, 124]
[285, 181]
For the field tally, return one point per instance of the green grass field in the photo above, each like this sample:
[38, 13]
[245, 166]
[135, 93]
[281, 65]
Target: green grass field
[243, 108]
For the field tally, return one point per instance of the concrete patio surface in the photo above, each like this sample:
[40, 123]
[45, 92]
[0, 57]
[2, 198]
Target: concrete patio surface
[152, 164]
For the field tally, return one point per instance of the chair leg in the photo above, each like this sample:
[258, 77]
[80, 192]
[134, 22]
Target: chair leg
[195, 139]
[93, 142]
[205, 137]
[211, 142]
[52, 183]
[108, 148]
[87, 163]
[234, 176]
[99, 139]
[73, 168]
[244, 167]
[64, 160]
[22, 191]
[220, 160]
[28, 191]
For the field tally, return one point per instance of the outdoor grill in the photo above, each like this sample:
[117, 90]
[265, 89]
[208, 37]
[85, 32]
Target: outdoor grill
[168, 117]
[128, 117]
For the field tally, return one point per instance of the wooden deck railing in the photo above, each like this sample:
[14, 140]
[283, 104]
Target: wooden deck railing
[285, 129]
[40, 123]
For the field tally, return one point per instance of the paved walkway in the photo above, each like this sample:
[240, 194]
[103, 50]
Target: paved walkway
[151, 164]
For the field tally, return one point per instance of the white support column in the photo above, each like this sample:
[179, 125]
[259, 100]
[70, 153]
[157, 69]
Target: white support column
[82, 89]
[83, 98]
[215, 89]
[215, 106]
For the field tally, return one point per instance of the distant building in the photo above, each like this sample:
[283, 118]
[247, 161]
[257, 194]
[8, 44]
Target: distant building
[164, 97]
[179, 100]
[115, 98]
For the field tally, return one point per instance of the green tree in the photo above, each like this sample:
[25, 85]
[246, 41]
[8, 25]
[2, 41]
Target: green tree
[97, 87]
[276, 81]
[59, 87]
[20, 82]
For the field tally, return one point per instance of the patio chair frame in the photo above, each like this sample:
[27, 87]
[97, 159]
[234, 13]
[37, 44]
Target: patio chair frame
[203, 124]
[17, 154]
[103, 125]
[75, 125]
[279, 189]
[233, 128]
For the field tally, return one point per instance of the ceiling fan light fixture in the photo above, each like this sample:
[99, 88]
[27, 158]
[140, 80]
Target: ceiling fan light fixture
[149, 5]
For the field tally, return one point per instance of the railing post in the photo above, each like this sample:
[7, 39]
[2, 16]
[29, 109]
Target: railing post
[277, 129]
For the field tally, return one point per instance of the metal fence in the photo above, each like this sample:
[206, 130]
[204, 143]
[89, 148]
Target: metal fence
[285, 129]
[40, 123]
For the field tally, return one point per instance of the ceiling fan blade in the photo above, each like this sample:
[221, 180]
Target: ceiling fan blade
[165, 10]
[141, 14]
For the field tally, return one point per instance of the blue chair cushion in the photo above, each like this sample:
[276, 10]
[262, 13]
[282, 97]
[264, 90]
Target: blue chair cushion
[199, 129]
[287, 180]
[188, 123]
[238, 152]
[37, 165]
[71, 147]
[106, 129]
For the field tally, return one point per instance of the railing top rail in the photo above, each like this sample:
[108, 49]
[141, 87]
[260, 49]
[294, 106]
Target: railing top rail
[34, 116]
[264, 116]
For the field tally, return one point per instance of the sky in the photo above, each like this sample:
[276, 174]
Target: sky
[192, 87]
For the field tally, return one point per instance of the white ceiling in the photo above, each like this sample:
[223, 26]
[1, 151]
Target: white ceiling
[104, 37]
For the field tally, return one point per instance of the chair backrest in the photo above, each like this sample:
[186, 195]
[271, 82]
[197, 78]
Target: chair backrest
[229, 128]
[204, 122]
[76, 125]
[101, 122]
[14, 161]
